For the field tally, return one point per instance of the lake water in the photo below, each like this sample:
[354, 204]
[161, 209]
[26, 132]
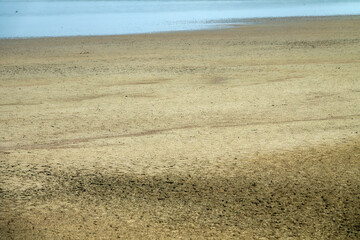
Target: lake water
[73, 18]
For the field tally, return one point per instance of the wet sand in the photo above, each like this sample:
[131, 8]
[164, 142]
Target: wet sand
[249, 133]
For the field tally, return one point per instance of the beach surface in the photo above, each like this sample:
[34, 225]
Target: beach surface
[250, 132]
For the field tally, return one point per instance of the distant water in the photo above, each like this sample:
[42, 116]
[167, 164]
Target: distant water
[27, 18]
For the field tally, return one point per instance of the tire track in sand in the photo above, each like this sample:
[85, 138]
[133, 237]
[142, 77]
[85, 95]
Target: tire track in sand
[71, 143]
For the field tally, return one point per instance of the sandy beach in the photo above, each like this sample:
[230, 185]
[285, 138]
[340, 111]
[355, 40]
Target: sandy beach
[243, 133]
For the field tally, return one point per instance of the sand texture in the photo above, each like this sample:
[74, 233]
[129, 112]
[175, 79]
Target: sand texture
[244, 133]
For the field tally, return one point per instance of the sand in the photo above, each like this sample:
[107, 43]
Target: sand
[250, 132]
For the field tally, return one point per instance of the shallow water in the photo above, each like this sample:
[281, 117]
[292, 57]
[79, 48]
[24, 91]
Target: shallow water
[73, 18]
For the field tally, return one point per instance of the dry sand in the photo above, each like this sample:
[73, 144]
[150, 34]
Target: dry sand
[249, 133]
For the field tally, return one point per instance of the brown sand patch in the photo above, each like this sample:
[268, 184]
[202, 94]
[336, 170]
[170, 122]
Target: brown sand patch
[243, 133]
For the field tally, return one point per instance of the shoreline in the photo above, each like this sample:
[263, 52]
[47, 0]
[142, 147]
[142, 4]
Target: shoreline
[249, 132]
[246, 21]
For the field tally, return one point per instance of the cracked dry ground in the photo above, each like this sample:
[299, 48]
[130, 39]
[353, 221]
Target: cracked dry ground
[247, 133]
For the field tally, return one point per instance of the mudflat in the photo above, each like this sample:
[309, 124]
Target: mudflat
[250, 133]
